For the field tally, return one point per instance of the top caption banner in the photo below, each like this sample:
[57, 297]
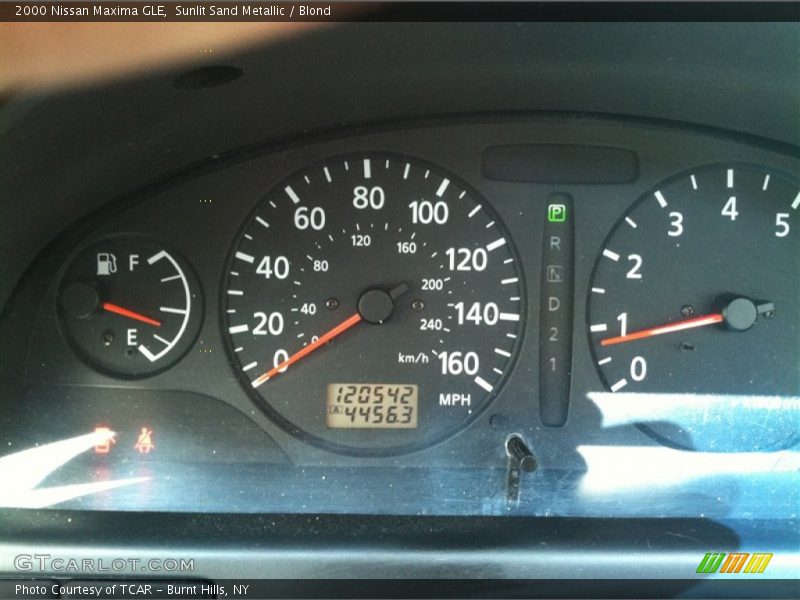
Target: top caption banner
[225, 10]
[189, 11]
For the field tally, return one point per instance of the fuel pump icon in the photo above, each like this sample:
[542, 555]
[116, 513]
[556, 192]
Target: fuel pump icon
[106, 263]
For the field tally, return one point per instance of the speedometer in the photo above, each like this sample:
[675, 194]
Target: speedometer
[374, 304]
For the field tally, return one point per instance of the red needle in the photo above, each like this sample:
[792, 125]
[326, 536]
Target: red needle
[130, 314]
[661, 329]
[323, 339]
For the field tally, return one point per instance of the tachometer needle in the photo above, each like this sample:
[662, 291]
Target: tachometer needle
[662, 329]
[323, 339]
[130, 314]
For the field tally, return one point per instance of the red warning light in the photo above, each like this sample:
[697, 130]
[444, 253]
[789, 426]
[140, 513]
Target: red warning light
[104, 447]
[144, 444]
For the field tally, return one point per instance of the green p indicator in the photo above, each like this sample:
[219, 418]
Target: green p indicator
[556, 213]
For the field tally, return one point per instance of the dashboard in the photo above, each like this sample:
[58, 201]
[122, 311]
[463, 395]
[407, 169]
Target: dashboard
[570, 316]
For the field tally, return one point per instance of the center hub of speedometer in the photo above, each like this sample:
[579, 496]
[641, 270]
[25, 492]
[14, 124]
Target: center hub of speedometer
[375, 306]
[366, 240]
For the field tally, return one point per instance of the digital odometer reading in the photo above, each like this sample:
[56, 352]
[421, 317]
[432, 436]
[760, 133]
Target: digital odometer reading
[375, 267]
[372, 405]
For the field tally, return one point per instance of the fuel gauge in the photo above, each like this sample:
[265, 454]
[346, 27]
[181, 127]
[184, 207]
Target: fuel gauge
[130, 306]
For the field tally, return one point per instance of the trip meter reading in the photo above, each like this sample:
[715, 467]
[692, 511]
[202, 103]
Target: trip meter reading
[372, 405]
[373, 268]
[697, 290]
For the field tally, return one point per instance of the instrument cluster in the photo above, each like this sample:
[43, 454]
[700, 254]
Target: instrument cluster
[518, 312]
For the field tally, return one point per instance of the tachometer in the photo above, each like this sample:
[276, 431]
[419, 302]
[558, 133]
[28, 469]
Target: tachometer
[697, 291]
[373, 304]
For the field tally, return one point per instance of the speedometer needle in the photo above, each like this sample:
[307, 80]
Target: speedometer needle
[306, 350]
[662, 329]
[119, 310]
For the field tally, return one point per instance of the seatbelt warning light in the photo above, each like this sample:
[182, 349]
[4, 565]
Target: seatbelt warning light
[104, 447]
[144, 444]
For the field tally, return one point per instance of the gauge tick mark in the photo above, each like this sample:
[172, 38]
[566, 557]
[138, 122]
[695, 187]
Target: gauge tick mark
[292, 195]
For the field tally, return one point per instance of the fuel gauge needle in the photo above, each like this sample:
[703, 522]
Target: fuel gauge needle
[702, 321]
[119, 310]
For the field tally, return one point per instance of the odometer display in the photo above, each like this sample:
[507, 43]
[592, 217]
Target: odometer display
[373, 268]
[372, 405]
